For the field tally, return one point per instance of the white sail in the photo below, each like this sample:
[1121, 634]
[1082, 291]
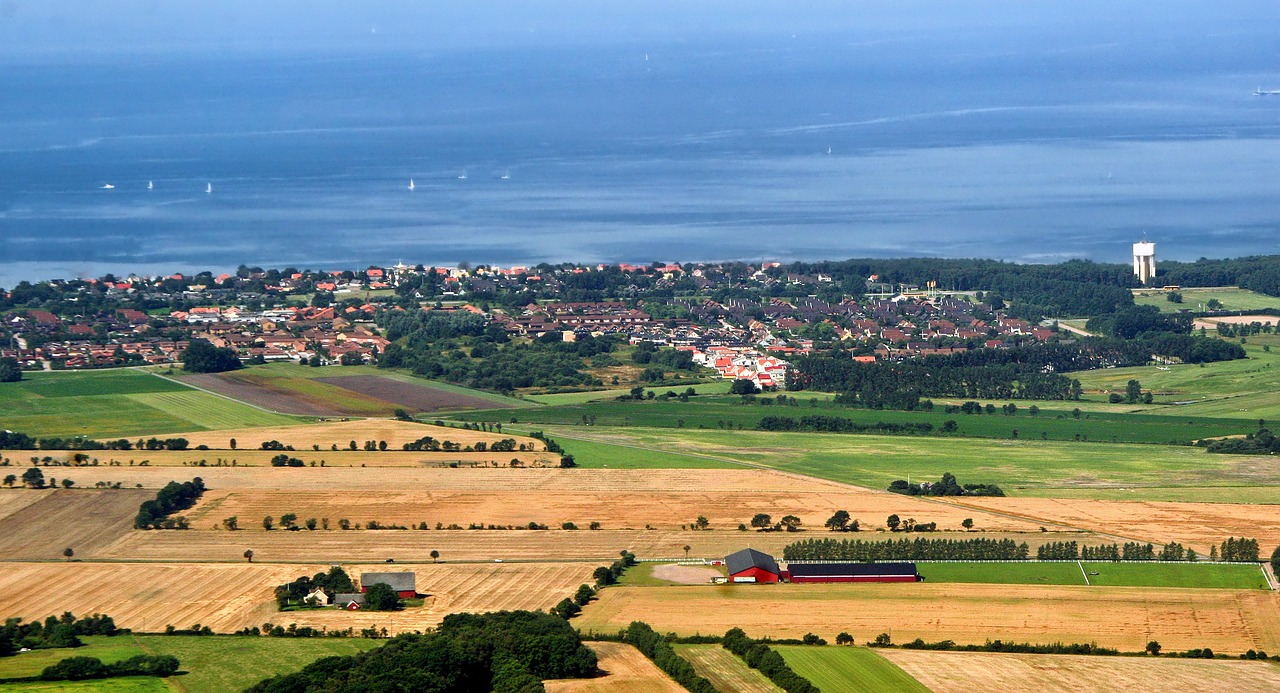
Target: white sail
[411, 184]
[108, 186]
[151, 185]
[208, 189]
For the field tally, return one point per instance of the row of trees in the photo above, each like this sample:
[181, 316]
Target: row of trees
[86, 668]
[174, 497]
[947, 486]
[758, 655]
[1263, 442]
[501, 651]
[641, 636]
[54, 631]
[836, 424]
[920, 549]
[608, 576]
[12, 440]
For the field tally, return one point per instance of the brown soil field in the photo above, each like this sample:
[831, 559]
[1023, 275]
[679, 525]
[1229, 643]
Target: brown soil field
[341, 433]
[685, 574]
[13, 500]
[1211, 323]
[1126, 618]
[413, 397]
[983, 672]
[624, 670]
[259, 392]
[83, 520]
[1198, 525]
[229, 597]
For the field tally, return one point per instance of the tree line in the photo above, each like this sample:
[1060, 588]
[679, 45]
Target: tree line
[920, 549]
[174, 497]
[652, 645]
[835, 424]
[1262, 442]
[499, 651]
[758, 655]
[53, 632]
[13, 440]
[86, 668]
[946, 486]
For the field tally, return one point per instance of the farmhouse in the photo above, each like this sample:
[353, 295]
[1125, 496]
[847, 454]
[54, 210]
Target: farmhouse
[403, 584]
[317, 597]
[350, 601]
[749, 565]
[852, 572]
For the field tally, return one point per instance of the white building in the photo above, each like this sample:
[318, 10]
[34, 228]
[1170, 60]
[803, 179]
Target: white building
[1144, 261]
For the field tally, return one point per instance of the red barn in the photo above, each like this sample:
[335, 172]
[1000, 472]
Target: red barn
[749, 565]
[852, 572]
[403, 584]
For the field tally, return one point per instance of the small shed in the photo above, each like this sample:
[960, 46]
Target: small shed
[404, 584]
[351, 601]
[852, 572]
[749, 565]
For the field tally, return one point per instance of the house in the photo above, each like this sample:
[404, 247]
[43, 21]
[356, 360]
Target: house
[350, 601]
[749, 565]
[852, 572]
[317, 597]
[403, 584]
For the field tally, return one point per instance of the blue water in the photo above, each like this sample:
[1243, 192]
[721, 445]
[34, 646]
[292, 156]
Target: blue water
[1032, 147]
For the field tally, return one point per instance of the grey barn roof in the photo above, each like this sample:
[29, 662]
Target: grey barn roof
[398, 582]
[849, 569]
[345, 598]
[746, 559]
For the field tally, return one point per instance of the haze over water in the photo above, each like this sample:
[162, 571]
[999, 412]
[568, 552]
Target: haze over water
[814, 134]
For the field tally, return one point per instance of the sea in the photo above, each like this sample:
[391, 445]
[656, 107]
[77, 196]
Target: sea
[1035, 146]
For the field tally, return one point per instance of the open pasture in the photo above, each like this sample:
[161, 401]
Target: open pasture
[1127, 574]
[983, 672]
[1197, 299]
[340, 433]
[1053, 421]
[1017, 466]
[1123, 617]
[228, 597]
[624, 669]
[84, 520]
[725, 670]
[849, 670]
[1198, 525]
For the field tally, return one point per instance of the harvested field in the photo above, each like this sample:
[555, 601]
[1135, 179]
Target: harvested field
[229, 597]
[203, 461]
[982, 672]
[725, 670]
[12, 501]
[1122, 617]
[1198, 525]
[299, 397]
[625, 671]
[341, 433]
[685, 574]
[414, 397]
[84, 520]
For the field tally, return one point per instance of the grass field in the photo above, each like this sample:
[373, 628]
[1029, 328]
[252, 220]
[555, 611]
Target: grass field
[725, 670]
[984, 672]
[1218, 576]
[1016, 465]
[718, 387]
[1054, 421]
[210, 664]
[849, 670]
[116, 403]
[131, 684]
[1229, 621]
[1196, 300]
[597, 454]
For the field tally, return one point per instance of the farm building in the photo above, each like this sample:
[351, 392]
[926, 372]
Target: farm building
[351, 601]
[851, 572]
[404, 584]
[749, 565]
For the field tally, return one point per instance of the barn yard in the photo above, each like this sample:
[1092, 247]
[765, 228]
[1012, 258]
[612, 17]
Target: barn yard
[1121, 617]
[983, 672]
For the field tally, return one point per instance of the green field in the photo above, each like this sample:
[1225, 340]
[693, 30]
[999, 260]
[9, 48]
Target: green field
[119, 402]
[211, 663]
[131, 684]
[1054, 421]
[725, 670]
[848, 670]
[1196, 300]
[594, 454]
[718, 387]
[1019, 467]
[1209, 575]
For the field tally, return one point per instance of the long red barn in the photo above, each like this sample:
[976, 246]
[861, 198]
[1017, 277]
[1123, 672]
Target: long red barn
[852, 572]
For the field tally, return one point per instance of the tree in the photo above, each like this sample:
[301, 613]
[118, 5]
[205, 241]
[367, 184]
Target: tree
[1153, 648]
[1132, 392]
[686, 550]
[267, 523]
[233, 443]
[566, 609]
[762, 521]
[967, 523]
[839, 522]
[1275, 560]
[743, 386]
[10, 480]
[248, 555]
[67, 483]
[843, 638]
[435, 555]
[311, 523]
[893, 522]
[10, 370]
[203, 357]
[231, 523]
[289, 520]
[790, 522]
[380, 597]
[33, 477]
[702, 522]
[68, 552]
[583, 595]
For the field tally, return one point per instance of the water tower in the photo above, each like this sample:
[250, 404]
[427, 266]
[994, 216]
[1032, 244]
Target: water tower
[1144, 261]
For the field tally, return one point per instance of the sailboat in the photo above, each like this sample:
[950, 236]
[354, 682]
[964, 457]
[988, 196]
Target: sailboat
[506, 175]
[411, 184]
[463, 176]
[828, 150]
[151, 185]
[107, 186]
[208, 189]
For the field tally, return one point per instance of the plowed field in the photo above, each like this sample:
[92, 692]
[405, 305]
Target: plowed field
[1126, 618]
[409, 395]
[82, 520]
[983, 672]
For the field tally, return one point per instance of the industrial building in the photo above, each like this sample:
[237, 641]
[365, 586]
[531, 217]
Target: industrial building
[852, 572]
